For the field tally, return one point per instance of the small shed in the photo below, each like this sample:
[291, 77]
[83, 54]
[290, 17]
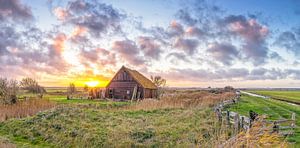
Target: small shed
[130, 84]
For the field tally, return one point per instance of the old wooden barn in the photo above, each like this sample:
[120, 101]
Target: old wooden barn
[130, 84]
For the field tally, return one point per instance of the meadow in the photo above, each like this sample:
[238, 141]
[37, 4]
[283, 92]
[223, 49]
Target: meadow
[273, 109]
[179, 118]
[287, 95]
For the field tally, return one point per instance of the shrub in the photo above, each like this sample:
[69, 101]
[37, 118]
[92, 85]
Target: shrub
[32, 86]
[8, 91]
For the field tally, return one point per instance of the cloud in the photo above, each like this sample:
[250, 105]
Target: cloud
[240, 74]
[178, 56]
[60, 13]
[99, 56]
[149, 47]
[223, 52]
[98, 18]
[253, 34]
[195, 31]
[290, 40]
[276, 56]
[27, 52]
[58, 44]
[207, 75]
[128, 51]
[186, 17]
[14, 9]
[8, 38]
[175, 29]
[187, 45]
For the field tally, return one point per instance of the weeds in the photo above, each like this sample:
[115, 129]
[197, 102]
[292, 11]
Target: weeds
[258, 136]
[182, 99]
[24, 108]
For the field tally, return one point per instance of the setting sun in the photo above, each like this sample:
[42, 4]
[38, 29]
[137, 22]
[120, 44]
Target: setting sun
[92, 83]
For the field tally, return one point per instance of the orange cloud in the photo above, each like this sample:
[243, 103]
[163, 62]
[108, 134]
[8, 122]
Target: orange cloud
[60, 13]
[59, 43]
[78, 31]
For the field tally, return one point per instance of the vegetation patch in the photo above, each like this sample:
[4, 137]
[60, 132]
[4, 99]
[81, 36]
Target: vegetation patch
[291, 95]
[272, 108]
[115, 124]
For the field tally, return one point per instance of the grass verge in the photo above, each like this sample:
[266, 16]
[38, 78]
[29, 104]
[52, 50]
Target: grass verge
[272, 108]
[292, 95]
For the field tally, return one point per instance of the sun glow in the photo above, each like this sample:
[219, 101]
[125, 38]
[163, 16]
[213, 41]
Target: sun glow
[92, 83]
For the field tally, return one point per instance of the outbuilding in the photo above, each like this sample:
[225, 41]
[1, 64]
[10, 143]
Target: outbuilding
[129, 84]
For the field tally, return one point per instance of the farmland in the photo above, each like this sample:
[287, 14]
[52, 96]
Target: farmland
[183, 118]
[274, 110]
[178, 119]
[287, 95]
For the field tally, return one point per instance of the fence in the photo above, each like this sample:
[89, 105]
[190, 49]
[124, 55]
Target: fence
[285, 126]
[240, 122]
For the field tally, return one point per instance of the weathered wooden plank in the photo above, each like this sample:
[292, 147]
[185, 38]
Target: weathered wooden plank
[285, 127]
[232, 114]
[284, 121]
[290, 132]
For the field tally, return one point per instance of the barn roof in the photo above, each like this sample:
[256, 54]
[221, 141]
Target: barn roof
[141, 79]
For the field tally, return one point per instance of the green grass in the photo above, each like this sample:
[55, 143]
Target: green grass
[291, 95]
[272, 108]
[93, 127]
[62, 99]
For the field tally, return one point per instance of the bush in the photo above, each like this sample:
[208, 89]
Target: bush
[8, 91]
[32, 86]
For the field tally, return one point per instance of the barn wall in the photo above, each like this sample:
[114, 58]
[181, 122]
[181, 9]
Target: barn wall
[122, 86]
[150, 93]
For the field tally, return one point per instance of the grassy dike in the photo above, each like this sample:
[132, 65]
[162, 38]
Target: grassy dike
[272, 108]
[93, 127]
[291, 95]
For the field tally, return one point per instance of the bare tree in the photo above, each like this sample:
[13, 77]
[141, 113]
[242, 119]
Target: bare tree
[8, 91]
[160, 83]
[32, 86]
[71, 90]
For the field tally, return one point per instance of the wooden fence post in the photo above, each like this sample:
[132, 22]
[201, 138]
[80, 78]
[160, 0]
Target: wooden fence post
[242, 122]
[228, 117]
[276, 127]
[219, 114]
[294, 121]
[236, 123]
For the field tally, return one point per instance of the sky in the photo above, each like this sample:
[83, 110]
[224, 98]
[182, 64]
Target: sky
[190, 43]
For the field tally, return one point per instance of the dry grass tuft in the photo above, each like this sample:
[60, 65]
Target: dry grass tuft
[4, 143]
[182, 99]
[24, 108]
[258, 136]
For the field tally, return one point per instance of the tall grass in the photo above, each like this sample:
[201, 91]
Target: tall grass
[183, 99]
[259, 135]
[24, 108]
[4, 143]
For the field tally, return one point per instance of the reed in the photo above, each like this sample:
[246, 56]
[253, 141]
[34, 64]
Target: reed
[182, 99]
[24, 108]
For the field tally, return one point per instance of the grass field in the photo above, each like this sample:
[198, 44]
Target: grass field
[272, 108]
[184, 120]
[292, 95]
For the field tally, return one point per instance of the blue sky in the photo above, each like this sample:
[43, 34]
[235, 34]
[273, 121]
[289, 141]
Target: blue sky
[191, 43]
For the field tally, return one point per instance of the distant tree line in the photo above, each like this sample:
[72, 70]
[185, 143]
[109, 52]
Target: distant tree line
[9, 89]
